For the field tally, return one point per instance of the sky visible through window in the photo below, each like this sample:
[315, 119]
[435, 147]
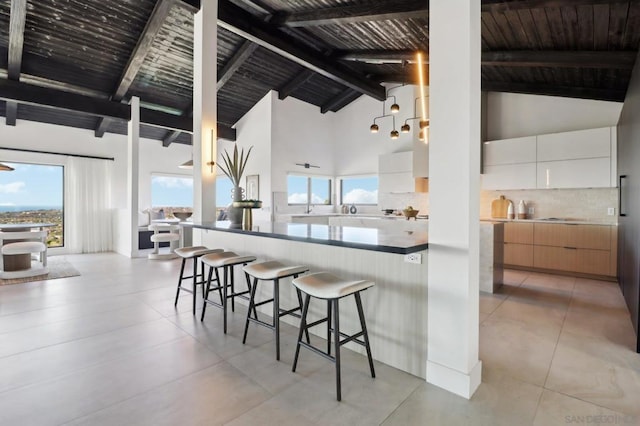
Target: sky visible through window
[30, 187]
[297, 189]
[171, 191]
[362, 190]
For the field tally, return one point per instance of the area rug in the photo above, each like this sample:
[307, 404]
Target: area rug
[58, 268]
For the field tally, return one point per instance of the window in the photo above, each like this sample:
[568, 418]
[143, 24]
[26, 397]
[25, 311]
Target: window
[171, 191]
[359, 190]
[34, 193]
[224, 192]
[313, 188]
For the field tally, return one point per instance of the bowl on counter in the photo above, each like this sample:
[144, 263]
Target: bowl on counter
[182, 215]
[410, 213]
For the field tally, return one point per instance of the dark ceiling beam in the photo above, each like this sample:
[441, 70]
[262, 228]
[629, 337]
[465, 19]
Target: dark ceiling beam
[151, 30]
[46, 97]
[380, 56]
[346, 101]
[256, 5]
[17, 22]
[238, 21]
[192, 6]
[236, 61]
[504, 6]
[379, 10]
[561, 59]
[294, 83]
[42, 96]
[614, 95]
[336, 100]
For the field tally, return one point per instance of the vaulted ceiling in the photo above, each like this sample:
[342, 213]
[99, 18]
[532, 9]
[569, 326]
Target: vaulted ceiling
[78, 62]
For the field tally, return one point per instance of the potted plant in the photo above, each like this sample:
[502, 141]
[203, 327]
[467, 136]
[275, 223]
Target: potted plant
[233, 168]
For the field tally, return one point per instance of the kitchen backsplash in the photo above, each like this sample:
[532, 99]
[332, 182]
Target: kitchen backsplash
[399, 201]
[584, 204]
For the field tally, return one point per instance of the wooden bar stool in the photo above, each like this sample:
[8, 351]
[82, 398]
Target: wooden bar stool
[226, 260]
[329, 287]
[267, 271]
[194, 252]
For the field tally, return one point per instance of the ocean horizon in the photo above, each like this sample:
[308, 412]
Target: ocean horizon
[16, 209]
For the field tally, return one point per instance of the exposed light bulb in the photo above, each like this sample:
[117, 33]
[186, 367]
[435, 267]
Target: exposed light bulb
[374, 128]
[395, 108]
[405, 128]
[421, 135]
[395, 134]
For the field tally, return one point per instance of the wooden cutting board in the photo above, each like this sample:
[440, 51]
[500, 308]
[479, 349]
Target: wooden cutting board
[499, 208]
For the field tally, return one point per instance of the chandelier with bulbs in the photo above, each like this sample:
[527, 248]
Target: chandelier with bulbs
[395, 108]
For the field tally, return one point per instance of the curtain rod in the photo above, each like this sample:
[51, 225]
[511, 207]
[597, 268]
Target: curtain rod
[59, 153]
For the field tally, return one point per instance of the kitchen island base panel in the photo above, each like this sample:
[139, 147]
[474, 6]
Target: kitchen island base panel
[396, 308]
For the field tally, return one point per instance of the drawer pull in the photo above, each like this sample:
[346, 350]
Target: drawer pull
[571, 248]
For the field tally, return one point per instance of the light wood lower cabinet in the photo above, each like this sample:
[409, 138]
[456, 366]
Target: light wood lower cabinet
[518, 254]
[583, 249]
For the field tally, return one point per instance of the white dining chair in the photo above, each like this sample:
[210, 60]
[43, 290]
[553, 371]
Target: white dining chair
[31, 245]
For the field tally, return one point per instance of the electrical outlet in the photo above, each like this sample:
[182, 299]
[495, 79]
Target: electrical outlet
[413, 258]
[611, 211]
[532, 210]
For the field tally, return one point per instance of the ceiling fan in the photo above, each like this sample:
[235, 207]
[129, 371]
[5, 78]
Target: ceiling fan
[307, 165]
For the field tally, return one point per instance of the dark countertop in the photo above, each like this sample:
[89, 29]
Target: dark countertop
[388, 241]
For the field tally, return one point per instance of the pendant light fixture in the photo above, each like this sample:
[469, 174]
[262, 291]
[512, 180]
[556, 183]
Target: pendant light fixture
[5, 168]
[187, 164]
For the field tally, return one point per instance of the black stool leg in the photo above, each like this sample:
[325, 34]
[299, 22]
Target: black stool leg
[255, 282]
[299, 293]
[336, 338]
[195, 280]
[303, 327]
[206, 293]
[364, 332]
[252, 299]
[180, 281]
[276, 314]
[233, 289]
[224, 298]
[328, 327]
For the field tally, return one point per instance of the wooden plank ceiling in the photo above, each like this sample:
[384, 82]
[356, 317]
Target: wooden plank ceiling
[78, 62]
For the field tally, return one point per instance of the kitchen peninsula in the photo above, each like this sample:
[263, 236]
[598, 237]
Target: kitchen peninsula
[395, 308]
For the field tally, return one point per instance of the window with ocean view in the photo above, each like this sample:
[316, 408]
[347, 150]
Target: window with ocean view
[34, 193]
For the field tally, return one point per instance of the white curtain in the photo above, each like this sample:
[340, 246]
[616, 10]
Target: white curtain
[88, 204]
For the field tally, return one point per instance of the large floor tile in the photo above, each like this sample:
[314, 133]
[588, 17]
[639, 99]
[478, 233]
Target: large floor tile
[213, 396]
[556, 409]
[92, 389]
[519, 348]
[502, 401]
[597, 371]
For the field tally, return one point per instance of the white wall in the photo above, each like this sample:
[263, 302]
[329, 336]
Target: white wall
[254, 130]
[511, 115]
[301, 134]
[356, 148]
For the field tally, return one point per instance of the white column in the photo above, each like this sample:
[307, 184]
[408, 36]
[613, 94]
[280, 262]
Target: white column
[454, 195]
[133, 174]
[205, 46]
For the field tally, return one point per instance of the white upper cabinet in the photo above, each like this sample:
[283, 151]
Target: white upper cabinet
[397, 162]
[509, 176]
[509, 164]
[581, 173]
[510, 151]
[590, 143]
[395, 172]
[578, 159]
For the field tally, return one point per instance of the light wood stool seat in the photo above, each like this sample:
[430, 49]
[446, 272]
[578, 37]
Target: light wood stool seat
[267, 271]
[225, 260]
[329, 287]
[192, 252]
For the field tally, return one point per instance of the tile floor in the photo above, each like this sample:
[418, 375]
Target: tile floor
[108, 348]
